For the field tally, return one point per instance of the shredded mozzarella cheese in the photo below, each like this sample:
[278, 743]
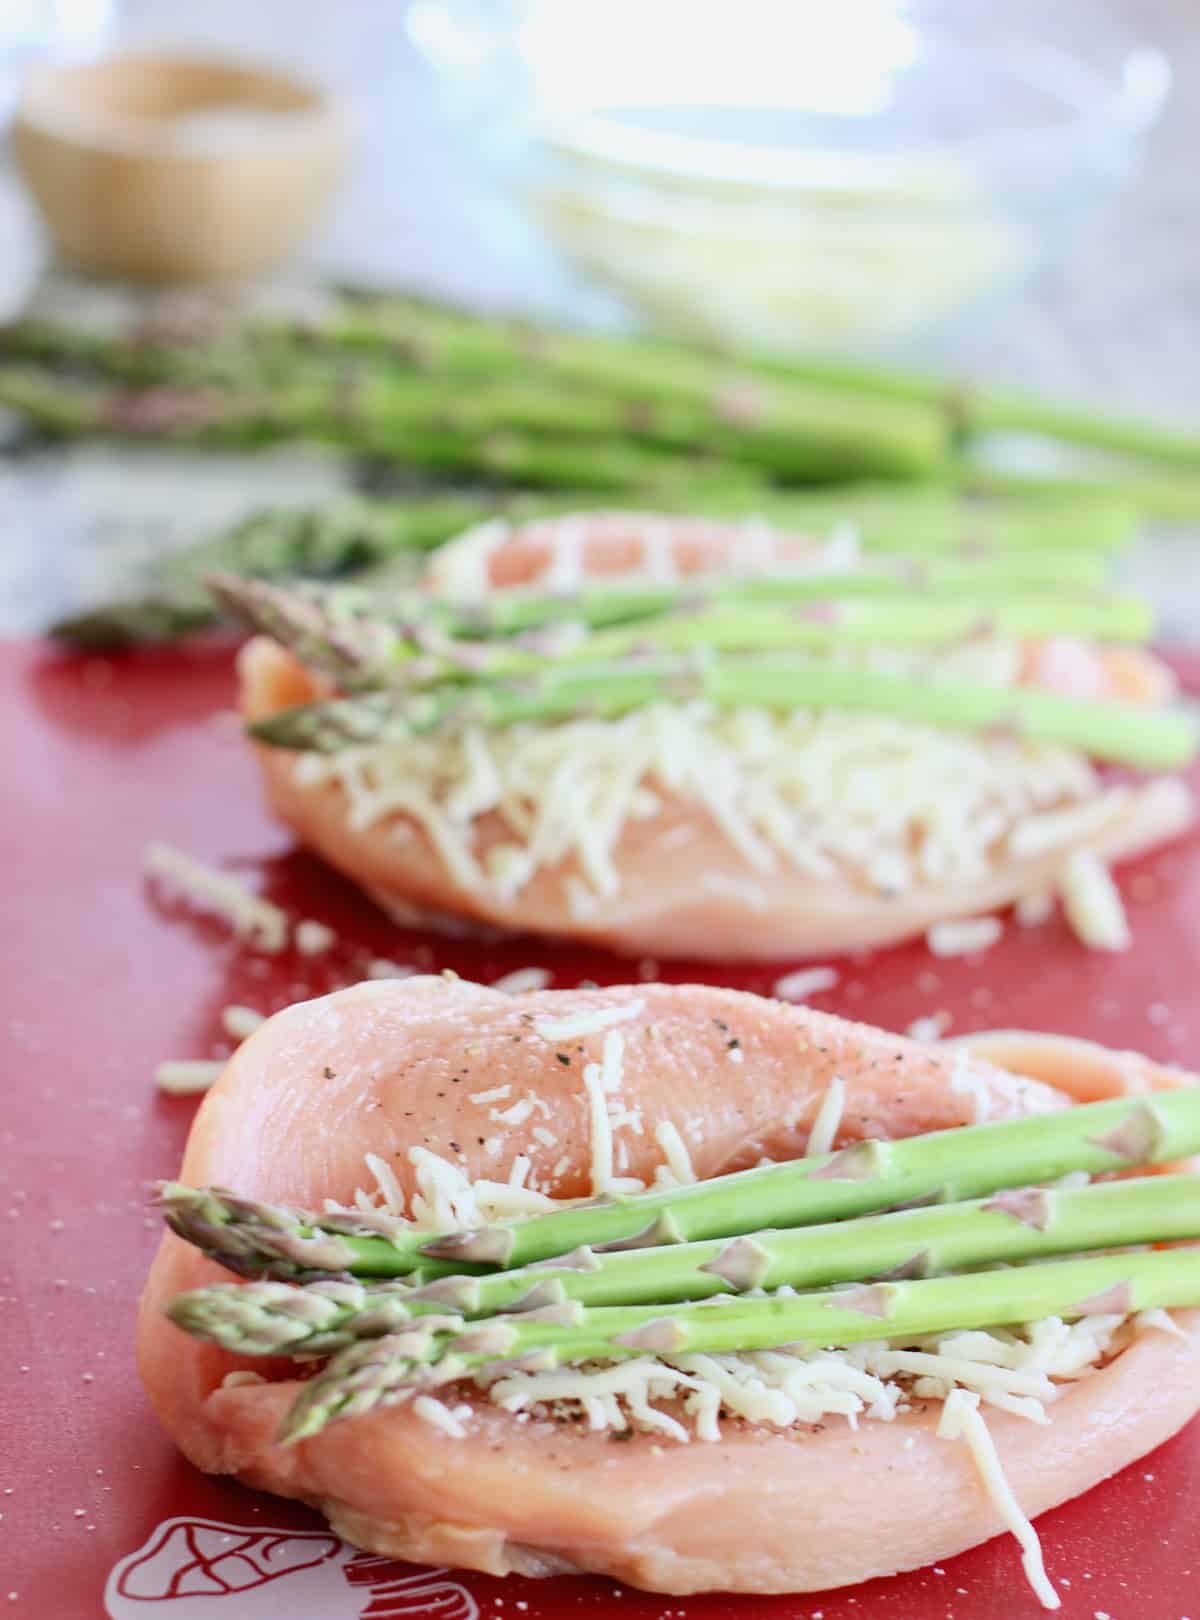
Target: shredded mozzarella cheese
[1092, 903]
[187, 1077]
[588, 1023]
[257, 921]
[241, 1022]
[805, 982]
[678, 1167]
[965, 1082]
[829, 1117]
[963, 936]
[865, 798]
[433, 1411]
[521, 980]
[961, 1420]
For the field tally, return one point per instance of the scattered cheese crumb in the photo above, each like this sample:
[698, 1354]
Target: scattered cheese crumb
[1092, 903]
[963, 936]
[433, 1411]
[241, 1022]
[929, 1028]
[679, 1160]
[313, 938]
[496, 1094]
[1033, 909]
[379, 967]
[965, 1082]
[256, 921]
[185, 1077]
[588, 1023]
[805, 982]
[829, 1117]
[522, 980]
[516, 1115]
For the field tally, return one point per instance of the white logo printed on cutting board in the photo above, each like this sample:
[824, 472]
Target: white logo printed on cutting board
[184, 1569]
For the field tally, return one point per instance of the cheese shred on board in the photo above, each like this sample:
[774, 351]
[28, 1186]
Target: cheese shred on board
[257, 921]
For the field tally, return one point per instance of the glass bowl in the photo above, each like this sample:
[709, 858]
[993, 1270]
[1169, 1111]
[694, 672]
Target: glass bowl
[779, 174]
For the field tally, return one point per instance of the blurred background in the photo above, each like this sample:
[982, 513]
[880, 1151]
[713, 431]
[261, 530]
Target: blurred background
[1002, 192]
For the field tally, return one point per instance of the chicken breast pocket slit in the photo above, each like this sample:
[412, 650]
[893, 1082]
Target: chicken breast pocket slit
[681, 738]
[659, 1282]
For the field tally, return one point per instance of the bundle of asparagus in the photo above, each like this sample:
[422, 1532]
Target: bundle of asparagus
[416, 664]
[903, 1226]
[786, 413]
[376, 538]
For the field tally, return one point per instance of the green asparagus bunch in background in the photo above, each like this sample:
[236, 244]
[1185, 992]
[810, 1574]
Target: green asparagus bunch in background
[499, 401]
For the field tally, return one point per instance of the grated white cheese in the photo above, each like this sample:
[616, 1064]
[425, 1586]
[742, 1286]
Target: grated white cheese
[600, 1130]
[965, 1082]
[588, 1023]
[241, 1378]
[678, 1166]
[961, 1420]
[521, 980]
[314, 938]
[257, 921]
[433, 1411]
[1034, 909]
[805, 982]
[963, 936]
[496, 1094]
[867, 798]
[829, 1118]
[379, 967]
[516, 1115]
[241, 1022]
[1092, 903]
[187, 1077]
[931, 1027]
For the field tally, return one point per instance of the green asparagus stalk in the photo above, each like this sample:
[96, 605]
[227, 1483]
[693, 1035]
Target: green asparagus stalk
[404, 327]
[364, 651]
[656, 379]
[381, 1372]
[1116, 733]
[256, 1239]
[1171, 496]
[409, 433]
[365, 538]
[278, 1318]
[804, 434]
[1011, 585]
[348, 537]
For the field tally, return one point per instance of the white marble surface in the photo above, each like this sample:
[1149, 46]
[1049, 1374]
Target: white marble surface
[1118, 322]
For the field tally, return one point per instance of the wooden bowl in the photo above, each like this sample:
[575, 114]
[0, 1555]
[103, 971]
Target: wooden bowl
[166, 168]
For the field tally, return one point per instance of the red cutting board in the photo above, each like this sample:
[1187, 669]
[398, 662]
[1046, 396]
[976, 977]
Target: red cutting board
[101, 1520]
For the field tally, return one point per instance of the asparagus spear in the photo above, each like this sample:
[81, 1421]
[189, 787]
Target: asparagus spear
[802, 437]
[364, 650]
[258, 1239]
[381, 1372]
[804, 433]
[1116, 733]
[204, 415]
[349, 631]
[346, 537]
[277, 1318]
